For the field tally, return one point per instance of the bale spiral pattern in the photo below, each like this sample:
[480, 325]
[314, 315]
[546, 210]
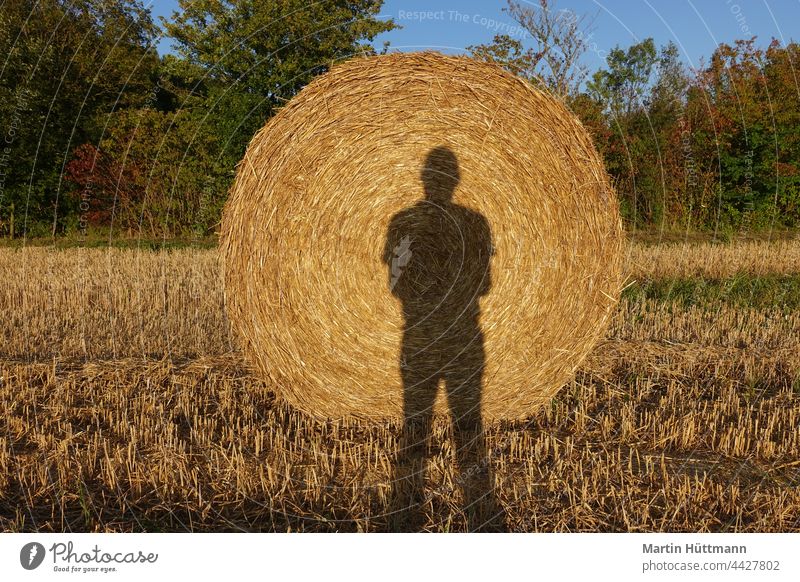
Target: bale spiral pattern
[526, 256]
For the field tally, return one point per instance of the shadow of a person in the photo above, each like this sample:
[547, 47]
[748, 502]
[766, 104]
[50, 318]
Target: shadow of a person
[438, 254]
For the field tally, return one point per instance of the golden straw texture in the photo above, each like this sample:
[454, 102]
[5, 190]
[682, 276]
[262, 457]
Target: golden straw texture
[413, 221]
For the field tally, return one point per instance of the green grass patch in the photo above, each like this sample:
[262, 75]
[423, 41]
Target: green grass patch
[761, 292]
[654, 236]
[92, 242]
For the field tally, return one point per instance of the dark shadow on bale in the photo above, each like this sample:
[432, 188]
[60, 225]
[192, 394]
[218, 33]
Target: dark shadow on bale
[438, 254]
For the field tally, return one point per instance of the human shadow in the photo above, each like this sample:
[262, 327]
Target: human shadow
[438, 255]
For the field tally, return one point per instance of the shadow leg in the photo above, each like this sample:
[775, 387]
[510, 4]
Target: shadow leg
[464, 384]
[420, 384]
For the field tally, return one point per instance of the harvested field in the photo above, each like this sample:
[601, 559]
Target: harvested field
[127, 407]
[713, 261]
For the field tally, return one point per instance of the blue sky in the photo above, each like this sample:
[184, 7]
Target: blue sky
[696, 26]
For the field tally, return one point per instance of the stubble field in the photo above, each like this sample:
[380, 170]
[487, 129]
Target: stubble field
[125, 406]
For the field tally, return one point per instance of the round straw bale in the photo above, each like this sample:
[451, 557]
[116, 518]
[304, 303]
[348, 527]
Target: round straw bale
[419, 231]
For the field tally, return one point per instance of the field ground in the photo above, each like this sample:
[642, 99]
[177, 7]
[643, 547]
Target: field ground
[126, 407]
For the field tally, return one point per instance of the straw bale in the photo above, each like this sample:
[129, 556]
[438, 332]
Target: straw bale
[417, 230]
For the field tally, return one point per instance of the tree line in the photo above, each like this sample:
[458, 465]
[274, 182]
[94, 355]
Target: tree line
[716, 148]
[101, 132]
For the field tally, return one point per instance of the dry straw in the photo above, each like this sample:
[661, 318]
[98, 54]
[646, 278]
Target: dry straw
[418, 220]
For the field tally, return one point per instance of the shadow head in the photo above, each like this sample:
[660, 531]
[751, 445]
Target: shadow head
[440, 175]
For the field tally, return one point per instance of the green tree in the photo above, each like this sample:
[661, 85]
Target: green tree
[154, 173]
[623, 88]
[667, 164]
[744, 112]
[67, 65]
[256, 55]
[624, 83]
